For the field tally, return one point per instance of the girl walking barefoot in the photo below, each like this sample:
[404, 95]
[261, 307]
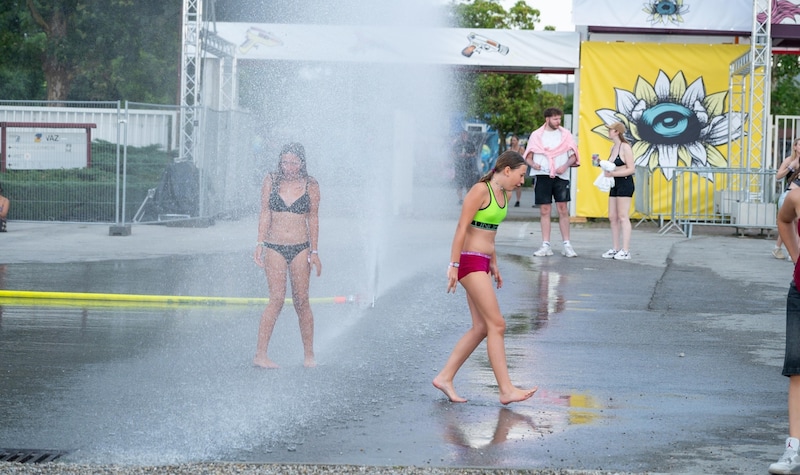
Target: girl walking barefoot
[473, 262]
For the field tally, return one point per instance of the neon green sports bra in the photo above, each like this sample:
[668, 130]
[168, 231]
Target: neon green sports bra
[492, 215]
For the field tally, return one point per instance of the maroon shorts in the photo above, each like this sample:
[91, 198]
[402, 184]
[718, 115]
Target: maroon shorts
[473, 262]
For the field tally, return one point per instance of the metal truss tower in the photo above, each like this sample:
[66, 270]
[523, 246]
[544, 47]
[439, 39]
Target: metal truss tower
[197, 42]
[190, 76]
[749, 93]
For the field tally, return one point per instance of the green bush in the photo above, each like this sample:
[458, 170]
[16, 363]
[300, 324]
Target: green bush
[85, 194]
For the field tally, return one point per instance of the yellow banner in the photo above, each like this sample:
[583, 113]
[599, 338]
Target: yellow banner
[673, 100]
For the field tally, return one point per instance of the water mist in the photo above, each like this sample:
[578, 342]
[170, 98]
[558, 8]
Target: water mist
[375, 133]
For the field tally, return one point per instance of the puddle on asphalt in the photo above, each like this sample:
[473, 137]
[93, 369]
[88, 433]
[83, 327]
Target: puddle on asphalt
[482, 427]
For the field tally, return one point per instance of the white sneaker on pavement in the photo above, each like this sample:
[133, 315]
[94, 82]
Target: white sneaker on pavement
[789, 462]
[569, 251]
[622, 255]
[544, 251]
[609, 254]
[778, 253]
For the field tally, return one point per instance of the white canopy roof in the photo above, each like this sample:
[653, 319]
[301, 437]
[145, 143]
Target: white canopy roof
[480, 49]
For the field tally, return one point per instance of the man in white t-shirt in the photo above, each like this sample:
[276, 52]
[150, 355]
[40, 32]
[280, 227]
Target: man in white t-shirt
[550, 153]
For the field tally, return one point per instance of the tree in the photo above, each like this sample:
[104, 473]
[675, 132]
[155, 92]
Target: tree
[58, 58]
[21, 74]
[510, 103]
[104, 49]
[785, 96]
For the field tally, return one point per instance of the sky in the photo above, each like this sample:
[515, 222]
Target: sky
[557, 13]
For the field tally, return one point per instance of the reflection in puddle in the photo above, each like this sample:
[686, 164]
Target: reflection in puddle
[496, 428]
[476, 429]
[2, 286]
[582, 408]
[548, 299]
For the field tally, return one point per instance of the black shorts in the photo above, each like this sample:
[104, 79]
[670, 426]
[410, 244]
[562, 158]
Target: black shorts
[623, 187]
[546, 190]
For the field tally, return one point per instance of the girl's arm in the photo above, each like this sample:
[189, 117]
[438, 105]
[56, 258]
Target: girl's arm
[264, 220]
[785, 168]
[313, 225]
[786, 226]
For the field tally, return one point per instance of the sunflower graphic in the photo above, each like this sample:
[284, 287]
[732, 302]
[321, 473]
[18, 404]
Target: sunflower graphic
[665, 11]
[671, 123]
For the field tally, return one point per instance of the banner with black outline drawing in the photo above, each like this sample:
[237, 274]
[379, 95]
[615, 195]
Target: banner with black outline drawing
[694, 15]
[672, 98]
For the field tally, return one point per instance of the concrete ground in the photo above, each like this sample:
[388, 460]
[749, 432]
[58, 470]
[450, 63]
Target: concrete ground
[667, 363]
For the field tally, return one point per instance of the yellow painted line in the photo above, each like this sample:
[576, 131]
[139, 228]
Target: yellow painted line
[29, 297]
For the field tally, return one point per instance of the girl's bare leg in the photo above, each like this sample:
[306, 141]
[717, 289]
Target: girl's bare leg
[465, 346]
[613, 221]
[275, 269]
[794, 406]
[623, 213]
[479, 287]
[300, 275]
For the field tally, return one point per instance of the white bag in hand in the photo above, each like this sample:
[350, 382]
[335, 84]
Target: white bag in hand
[604, 183]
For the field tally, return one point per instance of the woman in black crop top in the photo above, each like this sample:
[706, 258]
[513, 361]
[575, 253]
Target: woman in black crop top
[621, 194]
[288, 232]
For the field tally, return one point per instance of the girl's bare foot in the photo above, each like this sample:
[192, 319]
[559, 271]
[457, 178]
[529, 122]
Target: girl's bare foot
[448, 390]
[517, 395]
[264, 362]
[309, 362]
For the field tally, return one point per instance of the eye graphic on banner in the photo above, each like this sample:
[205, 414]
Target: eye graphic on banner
[671, 123]
[665, 11]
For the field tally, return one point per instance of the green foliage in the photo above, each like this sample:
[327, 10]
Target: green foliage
[510, 103]
[86, 50]
[785, 96]
[21, 45]
[490, 14]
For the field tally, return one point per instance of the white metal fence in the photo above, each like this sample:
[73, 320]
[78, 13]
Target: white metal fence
[735, 197]
[134, 149]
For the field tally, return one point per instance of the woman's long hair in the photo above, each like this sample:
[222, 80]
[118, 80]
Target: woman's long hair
[296, 149]
[621, 130]
[794, 154]
[506, 159]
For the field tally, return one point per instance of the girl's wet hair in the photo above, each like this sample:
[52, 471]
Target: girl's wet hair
[506, 159]
[296, 149]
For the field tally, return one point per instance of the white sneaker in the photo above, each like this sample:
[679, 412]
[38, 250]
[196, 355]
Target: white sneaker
[544, 251]
[789, 461]
[622, 255]
[609, 254]
[778, 253]
[569, 251]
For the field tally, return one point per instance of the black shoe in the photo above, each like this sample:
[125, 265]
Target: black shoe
[516, 205]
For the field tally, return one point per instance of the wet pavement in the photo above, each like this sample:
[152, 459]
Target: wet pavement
[667, 363]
